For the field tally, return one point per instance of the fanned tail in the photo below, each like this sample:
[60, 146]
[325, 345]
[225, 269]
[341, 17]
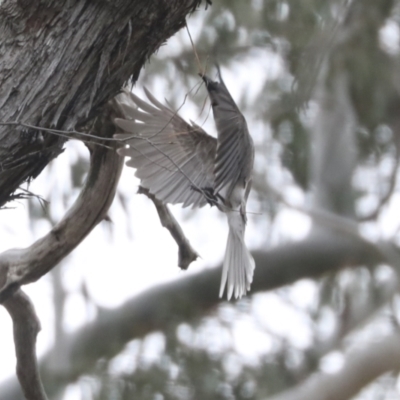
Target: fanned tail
[238, 267]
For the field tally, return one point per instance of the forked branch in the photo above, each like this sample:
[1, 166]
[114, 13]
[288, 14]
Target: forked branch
[22, 266]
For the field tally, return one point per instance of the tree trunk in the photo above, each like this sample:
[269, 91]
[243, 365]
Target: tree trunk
[61, 61]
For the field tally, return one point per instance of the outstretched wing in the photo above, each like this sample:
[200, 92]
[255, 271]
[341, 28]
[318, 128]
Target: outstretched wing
[235, 152]
[169, 154]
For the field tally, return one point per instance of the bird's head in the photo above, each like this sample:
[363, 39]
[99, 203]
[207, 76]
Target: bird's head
[210, 84]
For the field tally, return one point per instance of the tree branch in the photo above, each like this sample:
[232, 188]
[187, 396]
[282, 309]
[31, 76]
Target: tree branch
[26, 328]
[192, 297]
[22, 266]
[361, 367]
[186, 253]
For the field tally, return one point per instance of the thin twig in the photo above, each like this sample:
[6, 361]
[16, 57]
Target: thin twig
[202, 71]
[61, 133]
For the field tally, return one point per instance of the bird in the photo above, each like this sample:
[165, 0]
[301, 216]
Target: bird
[180, 163]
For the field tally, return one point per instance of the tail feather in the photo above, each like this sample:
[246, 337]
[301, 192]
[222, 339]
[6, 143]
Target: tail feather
[238, 267]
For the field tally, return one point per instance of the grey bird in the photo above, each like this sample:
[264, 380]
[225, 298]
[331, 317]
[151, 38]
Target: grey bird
[179, 162]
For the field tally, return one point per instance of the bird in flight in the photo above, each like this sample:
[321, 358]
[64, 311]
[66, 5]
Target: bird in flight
[179, 162]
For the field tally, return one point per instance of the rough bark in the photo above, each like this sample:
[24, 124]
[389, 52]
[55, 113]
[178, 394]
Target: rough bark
[61, 61]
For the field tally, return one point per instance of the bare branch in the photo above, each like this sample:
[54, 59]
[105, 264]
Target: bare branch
[68, 134]
[186, 253]
[361, 367]
[22, 266]
[26, 328]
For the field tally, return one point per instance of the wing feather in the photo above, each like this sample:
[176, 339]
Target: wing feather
[168, 153]
[235, 151]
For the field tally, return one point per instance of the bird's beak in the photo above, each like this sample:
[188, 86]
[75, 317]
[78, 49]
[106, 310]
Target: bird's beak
[211, 85]
[204, 77]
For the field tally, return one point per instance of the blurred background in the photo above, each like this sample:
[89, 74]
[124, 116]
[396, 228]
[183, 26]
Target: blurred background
[318, 83]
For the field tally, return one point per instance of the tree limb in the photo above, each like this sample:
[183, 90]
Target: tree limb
[22, 266]
[26, 327]
[361, 367]
[186, 253]
[192, 297]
